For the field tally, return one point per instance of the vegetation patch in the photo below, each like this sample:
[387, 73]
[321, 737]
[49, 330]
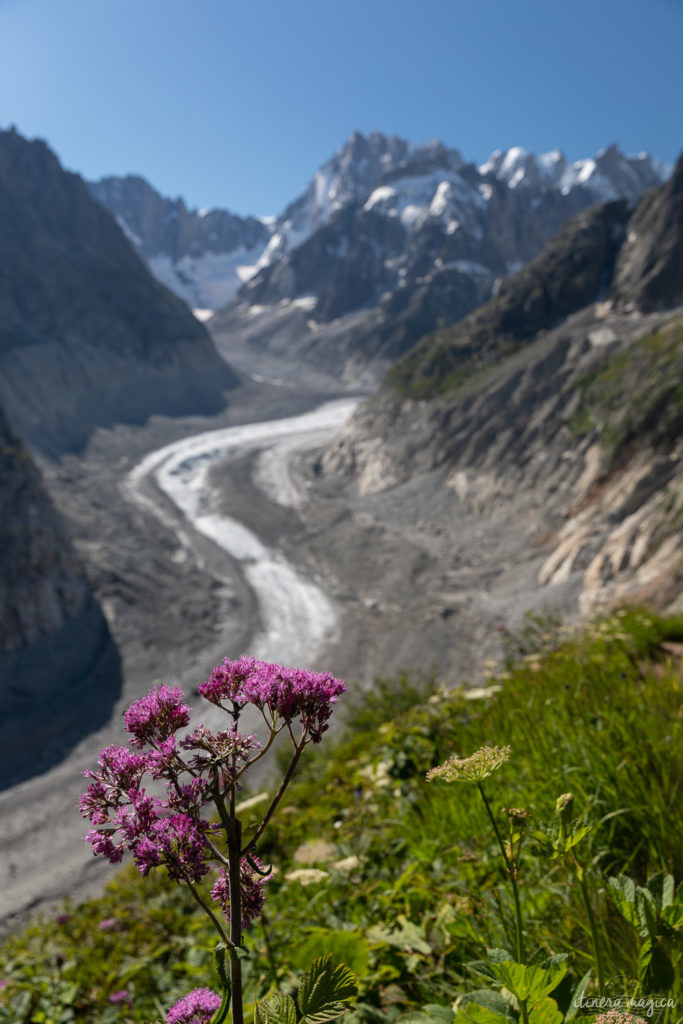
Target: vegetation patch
[409, 882]
[637, 392]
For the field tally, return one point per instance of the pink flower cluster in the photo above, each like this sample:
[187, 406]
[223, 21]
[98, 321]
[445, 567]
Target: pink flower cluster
[197, 1007]
[157, 716]
[170, 831]
[252, 882]
[156, 831]
[288, 693]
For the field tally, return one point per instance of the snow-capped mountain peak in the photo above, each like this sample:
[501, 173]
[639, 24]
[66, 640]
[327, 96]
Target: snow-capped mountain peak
[406, 206]
[609, 175]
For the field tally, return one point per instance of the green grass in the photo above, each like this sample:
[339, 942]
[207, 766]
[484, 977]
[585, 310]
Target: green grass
[597, 713]
[638, 391]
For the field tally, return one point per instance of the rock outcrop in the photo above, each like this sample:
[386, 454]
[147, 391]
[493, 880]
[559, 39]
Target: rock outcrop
[59, 669]
[87, 336]
[198, 254]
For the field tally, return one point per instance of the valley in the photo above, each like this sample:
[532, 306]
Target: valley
[176, 603]
[214, 536]
[250, 484]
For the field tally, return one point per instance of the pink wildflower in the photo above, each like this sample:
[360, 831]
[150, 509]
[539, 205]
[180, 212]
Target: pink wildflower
[121, 996]
[109, 924]
[288, 693]
[177, 842]
[252, 895]
[104, 846]
[120, 770]
[295, 692]
[226, 680]
[155, 717]
[196, 1007]
[228, 750]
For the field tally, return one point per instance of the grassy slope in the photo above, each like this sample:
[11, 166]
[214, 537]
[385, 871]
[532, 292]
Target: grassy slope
[636, 392]
[566, 277]
[599, 715]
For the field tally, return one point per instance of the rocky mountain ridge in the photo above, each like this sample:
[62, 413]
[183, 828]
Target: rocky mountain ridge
[87, 336]
[198, 254]
[563, 396]
[362, 266]
[207, 255]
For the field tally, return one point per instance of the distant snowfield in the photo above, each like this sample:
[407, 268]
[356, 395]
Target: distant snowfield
[295, 612]
[206, 281]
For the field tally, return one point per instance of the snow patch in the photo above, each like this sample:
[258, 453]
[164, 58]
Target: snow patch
[306, 302]
[208, 281]
[134, 239]
[468, 267]
[440, 194]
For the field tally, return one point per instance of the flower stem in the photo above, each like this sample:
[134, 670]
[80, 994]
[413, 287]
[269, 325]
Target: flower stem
[209, 912]
[513, 881]
[594, 932]
[276, 799]
[234, 873]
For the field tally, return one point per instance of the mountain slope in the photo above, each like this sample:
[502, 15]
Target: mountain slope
[199, 255]
[550, 401]
[87, 337]
[59, 669]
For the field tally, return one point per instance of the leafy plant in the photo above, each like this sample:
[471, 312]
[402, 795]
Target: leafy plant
[206, 768]
[406, 882]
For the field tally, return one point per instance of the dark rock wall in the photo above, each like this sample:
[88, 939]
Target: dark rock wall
[167, 226]
[59, 668]
[87, 336]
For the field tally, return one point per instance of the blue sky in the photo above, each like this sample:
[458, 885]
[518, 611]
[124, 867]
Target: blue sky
[237, 104]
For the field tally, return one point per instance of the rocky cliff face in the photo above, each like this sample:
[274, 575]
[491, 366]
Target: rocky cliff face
[198, 254]
[59, 669]
[649, 273]
[560, 398]
[87, 336]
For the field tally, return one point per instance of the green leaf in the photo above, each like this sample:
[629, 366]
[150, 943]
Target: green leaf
[623, 892]
[220, 955]
[576, 996]
[539, 959]
[323, 990]
[483, 967]
[646, 910]
[529, 983]
[407, 935]
[474, 1013]
[661, 886]
[431, 1013]
[673, 914]
[490, 998]
[276, 1009]
[348, 947]
[221, 1014]
[655, 969]
[545, 1012]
